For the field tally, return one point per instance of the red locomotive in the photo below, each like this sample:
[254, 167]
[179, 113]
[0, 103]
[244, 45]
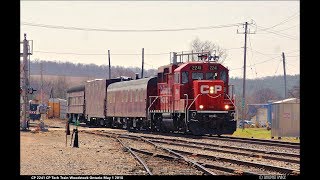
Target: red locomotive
[192, 96]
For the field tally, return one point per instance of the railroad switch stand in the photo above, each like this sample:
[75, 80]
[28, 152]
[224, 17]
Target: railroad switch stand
[67, 128]
[75, 142]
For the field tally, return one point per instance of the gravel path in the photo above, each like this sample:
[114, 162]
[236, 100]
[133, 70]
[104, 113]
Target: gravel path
[46, 153]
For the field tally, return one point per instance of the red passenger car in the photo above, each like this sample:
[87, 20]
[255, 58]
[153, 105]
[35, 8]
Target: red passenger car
[127, 102]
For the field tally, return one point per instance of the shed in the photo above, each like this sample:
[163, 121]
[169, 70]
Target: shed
[58, 108]
[260, 114]
[286, 118]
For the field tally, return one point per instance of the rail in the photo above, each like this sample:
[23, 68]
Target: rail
[136, 156]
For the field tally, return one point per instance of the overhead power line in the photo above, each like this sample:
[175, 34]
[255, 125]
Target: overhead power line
[279, 34]
[124, 30]
[281, 29]
[256, 63]
[99, 54]
[116, 54]
[268, 55]
[282, 22]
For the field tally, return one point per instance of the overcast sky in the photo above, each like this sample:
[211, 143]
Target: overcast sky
[281, 18]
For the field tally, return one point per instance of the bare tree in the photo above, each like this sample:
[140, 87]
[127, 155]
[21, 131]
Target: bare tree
[197, 46]
[265, 94]
[60, 87]
[294, 92]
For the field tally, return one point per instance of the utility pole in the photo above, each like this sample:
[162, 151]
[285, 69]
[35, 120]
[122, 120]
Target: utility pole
[25, 84]
[142, 62]
[285, 76]
[109, 64]
[43, 109]
[41, 69]
[244, 72]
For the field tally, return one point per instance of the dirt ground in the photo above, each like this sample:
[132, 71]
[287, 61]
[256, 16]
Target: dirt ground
[46, 153]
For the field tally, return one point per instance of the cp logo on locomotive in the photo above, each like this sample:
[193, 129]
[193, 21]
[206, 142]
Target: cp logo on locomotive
[204, 89]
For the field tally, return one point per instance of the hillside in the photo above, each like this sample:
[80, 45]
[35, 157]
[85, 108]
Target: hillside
[85, 70]
[65, 75]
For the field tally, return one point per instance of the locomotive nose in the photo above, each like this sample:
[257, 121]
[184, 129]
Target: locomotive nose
[208, 94]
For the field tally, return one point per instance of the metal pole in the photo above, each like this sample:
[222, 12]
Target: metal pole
[41, 82]
[244, 75]
[109, 64]
[142, 63]
[285, 76]
[25, 84]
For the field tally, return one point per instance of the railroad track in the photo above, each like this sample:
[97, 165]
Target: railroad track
[256, 141]
[272, 155]
[273, 143]
[223, 164]
[155, 158]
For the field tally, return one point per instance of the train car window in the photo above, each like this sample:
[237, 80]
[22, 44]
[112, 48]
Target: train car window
[130, 94]
[185, 77]
[109, 97]
[142, 95]
[121, 94]
[160, 77]
[223, 76]
[136, 96]
[197, 76]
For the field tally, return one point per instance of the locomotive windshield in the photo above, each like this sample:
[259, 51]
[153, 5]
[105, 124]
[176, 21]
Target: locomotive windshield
[223, 76]
[211, 76]
[184, 77]
[197, 76]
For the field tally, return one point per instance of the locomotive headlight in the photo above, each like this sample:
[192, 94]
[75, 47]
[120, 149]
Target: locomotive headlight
[211, 89]
[226, 106]
[201, 106]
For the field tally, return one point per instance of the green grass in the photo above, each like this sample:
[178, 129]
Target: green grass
[260, 133]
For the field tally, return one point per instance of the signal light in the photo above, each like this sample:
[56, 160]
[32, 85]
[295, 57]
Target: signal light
[30, 90]
[201, 107]
[226, 107]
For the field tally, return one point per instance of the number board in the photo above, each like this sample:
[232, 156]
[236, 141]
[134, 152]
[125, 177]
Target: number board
[211, 68]
[196, 68]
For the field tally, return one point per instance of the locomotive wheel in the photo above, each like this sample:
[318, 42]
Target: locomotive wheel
[101, 122]
[129, 124]
[158, 125]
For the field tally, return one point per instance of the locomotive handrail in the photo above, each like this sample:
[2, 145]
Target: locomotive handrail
[231, 101]
[187, 112]
[193, 101]
[156, 97]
